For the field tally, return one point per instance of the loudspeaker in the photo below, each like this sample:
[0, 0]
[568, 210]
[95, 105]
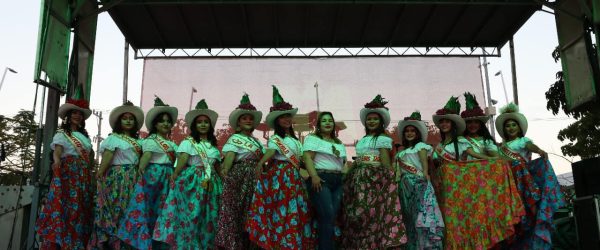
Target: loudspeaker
[586, 174]
[576, 54]
[587, 221]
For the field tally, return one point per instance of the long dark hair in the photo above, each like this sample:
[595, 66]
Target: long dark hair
[411, 144]
[504, 129]
[210, 135]
[135, 133]
[454, 135]
[66, 125]
[483, 131]
[379, 130]
[158, 119]
[280, 131]
[318, 126]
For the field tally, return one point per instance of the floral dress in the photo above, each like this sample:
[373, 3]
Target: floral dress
[149, 193]
[422, 216]
[188, 219]
[279, 215]
[66, 217]
[540, 192]
[477, 199]
[371, 210]
[238, 189]
[114, 189]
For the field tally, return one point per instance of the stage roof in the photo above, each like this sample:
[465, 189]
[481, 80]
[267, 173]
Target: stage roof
[163, 24]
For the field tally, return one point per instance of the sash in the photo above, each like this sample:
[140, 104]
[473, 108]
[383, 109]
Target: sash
[369, 158]
[136, 146]
[77, 145]
[165, 147]
[247, 144]
[199, 147]
[476, 143]
[409, 168]
[441, 151]
[286, 151]
[512, 154]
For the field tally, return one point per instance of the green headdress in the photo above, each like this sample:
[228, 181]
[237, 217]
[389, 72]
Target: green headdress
[473, 110]
[415, 116]
[451, 107]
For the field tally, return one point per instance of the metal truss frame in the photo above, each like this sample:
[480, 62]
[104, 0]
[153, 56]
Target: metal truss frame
[317, 52]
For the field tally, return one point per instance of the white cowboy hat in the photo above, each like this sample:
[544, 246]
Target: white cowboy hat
[510, 112]
[159, 108]
[71, 104]
[377, 105]
[416, 122]
[279, 108]
[128, 107]
[245, 107]
[201, 109]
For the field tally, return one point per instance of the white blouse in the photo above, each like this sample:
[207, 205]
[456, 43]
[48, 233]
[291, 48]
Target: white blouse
[519, 146]
[68, 147]
[411, 155]
[158, 154]
[481, 146]
[291, 143]
[123, 151]
[462, 144]
[187, 147]
[240, 152]
[368, 145]
[325, 157]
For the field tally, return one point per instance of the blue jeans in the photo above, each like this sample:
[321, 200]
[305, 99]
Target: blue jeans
[327, 203]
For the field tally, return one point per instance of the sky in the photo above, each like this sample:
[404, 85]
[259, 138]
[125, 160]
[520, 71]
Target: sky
[19, 21]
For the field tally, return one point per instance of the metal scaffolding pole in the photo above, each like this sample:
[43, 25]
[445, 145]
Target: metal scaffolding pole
[40, 172]
[513, 69]
[125, 70]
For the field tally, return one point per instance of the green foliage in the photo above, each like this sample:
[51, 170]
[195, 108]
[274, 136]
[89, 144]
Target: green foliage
[584, 134]
[18, 136]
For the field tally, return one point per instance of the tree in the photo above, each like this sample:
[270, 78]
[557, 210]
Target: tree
[17, 134]
[584, 134]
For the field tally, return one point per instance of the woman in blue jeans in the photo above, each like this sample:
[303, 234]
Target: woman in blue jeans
[324, 157]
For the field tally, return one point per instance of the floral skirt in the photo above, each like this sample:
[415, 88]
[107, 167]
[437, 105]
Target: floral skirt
[112, 198]
[480, 203]
[66, 218]
[371, 210]
[422, 216]
[149, 194]
[188, 219]
[535, 228]
[279, 215]
[238, 188]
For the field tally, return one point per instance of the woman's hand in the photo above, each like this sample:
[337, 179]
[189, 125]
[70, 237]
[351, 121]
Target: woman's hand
[55, 165]
[543, 154]
[316, 183]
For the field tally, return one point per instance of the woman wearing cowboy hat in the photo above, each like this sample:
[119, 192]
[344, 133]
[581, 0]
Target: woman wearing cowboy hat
[279, 216]
[466, 207]
[536, 181]
[476, 132]
[155, 169]
[116, 177]
[372, 213]
[71, 174]
[325, 156]
[242, 152]
[422, 216]
[188, 219]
